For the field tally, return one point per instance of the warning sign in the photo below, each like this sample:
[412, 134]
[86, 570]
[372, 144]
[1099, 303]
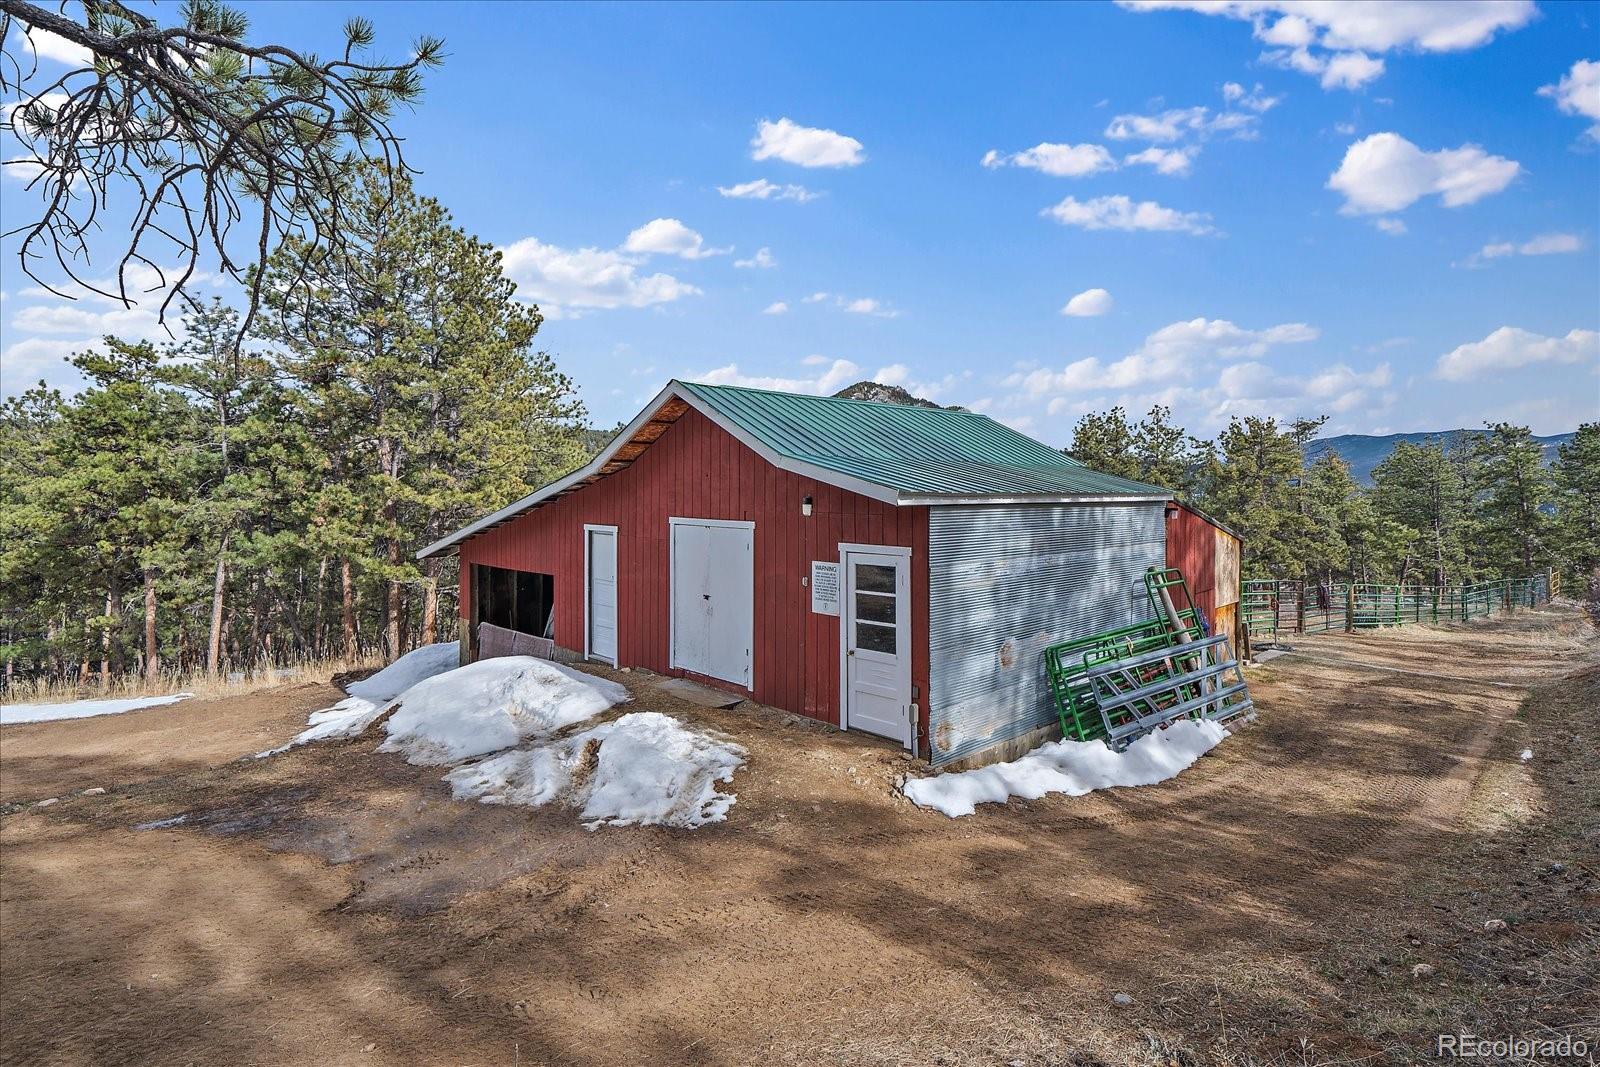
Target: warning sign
[824, 587]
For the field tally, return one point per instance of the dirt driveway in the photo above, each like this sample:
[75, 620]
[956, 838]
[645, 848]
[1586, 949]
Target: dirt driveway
[334, 906]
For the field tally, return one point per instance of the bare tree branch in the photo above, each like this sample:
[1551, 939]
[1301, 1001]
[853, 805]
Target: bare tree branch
[190, 121]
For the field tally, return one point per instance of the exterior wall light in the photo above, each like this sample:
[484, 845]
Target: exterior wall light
[805, 507]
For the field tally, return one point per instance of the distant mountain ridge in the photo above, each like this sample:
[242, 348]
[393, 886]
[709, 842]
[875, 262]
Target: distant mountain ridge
[1363, 452]
[879, 393]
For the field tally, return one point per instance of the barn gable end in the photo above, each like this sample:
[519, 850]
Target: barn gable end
[695, 469]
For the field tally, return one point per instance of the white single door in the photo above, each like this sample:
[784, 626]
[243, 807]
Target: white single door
[601, 612]
[713, 598]
[876, 618]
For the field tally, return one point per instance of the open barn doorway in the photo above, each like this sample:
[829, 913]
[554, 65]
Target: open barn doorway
[523, 602]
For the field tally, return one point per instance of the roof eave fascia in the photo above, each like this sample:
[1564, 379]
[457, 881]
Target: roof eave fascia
[588, 470]
[938, 499]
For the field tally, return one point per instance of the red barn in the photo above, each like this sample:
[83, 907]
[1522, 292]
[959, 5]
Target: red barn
[1207, 553]
[885, 568]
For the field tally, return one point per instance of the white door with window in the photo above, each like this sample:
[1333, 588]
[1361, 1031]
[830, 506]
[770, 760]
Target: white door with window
[600, 593]
[713, 598]
[876, 622]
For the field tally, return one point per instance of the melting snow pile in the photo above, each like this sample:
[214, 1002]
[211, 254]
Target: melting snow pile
[493, 704]
[643, 768]
[372, 694]
[1071, 767]
[82, 709]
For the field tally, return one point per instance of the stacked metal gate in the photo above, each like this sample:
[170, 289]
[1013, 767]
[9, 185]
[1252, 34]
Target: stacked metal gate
[1274, 607]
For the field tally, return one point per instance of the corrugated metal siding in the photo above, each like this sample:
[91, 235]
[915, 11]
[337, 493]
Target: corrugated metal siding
[697, 470]
[1005, 583]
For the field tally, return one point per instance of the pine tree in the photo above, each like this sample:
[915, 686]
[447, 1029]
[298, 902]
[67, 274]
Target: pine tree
[230, 384]
[416, 381]
[1515, 491]
[1164, 452]
[1418, 486]
[1252, 479]
[1577, 482]
[1105, 442]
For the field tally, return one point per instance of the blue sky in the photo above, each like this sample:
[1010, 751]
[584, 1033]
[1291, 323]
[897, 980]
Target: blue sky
[1387, 213]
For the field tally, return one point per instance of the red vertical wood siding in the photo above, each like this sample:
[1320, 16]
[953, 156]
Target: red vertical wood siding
[696, 470]
[1192, 548]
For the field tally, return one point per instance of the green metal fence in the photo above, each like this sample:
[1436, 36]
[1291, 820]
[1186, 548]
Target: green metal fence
[1273, 607]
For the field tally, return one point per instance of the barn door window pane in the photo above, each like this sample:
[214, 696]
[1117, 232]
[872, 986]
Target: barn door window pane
[875, 607]
[874, 637]
[874, 578]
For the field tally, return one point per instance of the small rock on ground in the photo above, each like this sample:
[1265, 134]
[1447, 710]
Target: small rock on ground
[1122, 1000]
[1422, 970]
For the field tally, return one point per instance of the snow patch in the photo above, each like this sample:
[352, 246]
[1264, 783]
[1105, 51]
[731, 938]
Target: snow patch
[644, 768]
[1527, 754]
[370, 696]
[82, 709]
[374, 693]
[1070, 767]
[490, 705]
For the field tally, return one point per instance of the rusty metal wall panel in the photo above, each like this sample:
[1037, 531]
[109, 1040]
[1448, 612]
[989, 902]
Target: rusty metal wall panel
[1006, 582]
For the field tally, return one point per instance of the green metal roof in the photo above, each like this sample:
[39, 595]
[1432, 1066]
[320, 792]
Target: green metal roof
[892, 452]
[914, 451]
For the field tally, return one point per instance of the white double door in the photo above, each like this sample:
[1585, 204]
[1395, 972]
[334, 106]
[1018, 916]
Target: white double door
[876, 622]
[713, 598]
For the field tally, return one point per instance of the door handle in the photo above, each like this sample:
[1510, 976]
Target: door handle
[851, 652]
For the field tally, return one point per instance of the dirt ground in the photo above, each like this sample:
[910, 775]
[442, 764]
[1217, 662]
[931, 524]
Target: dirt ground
[333, 906]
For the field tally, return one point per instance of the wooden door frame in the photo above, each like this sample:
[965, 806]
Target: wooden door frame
[845, 548]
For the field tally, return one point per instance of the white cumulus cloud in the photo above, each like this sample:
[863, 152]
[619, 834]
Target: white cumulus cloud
[560, 278]
[805, 146]
[1058, 160]
[1546, 244]
[1088, 304]
[57, 48]
[866, 305]
[669, 237]
[762, 260]
[1175, 353]
[1180, 122]
[1385, 173]
[1510, 347]
[761, 189]
[777, 307]
[1256, 99]
[1122, 213]
[1175, 161]
[1578, 93]
[1330, 38]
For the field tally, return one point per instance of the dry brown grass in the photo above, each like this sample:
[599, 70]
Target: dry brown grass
[202, 685]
